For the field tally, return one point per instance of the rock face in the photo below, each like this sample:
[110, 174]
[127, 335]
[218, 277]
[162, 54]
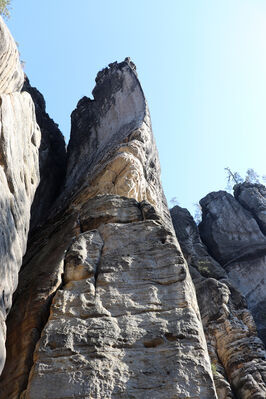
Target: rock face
[192, 246]
[234, 238]
[11, 73]
[253, 198]
[19, 172]
[124, 320]
[237, 354]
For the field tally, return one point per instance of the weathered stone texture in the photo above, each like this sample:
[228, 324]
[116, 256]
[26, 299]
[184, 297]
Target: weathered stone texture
[237, 354]
[229, 231]
[126, 322]
[19, 172]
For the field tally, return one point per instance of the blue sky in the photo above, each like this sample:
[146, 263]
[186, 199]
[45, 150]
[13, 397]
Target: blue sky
[202, 65]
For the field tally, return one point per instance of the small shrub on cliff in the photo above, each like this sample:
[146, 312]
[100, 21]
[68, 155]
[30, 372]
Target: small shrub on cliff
[235, 178]
[4, 8]
[214, 370]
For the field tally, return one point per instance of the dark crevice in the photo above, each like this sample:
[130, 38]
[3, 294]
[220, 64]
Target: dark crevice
[45, 314]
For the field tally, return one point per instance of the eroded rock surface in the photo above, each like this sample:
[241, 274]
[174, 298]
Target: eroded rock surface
[237, 354]
[124, 324]
[19, 172]
[235, 239]
[124, 320]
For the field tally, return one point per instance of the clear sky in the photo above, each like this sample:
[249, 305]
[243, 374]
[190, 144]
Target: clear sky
[201, 63]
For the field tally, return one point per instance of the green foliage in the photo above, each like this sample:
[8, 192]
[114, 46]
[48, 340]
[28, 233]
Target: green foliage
[4, 8]
[214, 370]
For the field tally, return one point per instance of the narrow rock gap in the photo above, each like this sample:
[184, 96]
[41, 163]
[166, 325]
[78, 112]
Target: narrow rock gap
[40, 330]
[48, 307]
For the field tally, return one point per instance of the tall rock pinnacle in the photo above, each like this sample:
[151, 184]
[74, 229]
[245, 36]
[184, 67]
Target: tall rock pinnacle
[99, 295]
[124, 320]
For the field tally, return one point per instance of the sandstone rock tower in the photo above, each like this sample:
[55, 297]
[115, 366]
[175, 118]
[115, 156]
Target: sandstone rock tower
[105, 307]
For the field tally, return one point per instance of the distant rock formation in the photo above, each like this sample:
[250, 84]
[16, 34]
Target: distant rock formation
[234, 238]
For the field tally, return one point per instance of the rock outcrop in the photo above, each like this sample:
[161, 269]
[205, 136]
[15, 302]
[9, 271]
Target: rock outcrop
[124, 320]
[234, 238]
[19, 172]
[237, 354]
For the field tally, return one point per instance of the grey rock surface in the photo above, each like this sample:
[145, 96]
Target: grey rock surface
[253, 198]
[234, 238]
[229, 230]
[19, 172]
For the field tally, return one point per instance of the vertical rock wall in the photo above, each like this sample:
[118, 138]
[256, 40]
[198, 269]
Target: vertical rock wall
[19, 172]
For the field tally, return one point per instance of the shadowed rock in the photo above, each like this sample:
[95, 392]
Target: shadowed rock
[52, 160]
[234, 238]
[253, 198]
